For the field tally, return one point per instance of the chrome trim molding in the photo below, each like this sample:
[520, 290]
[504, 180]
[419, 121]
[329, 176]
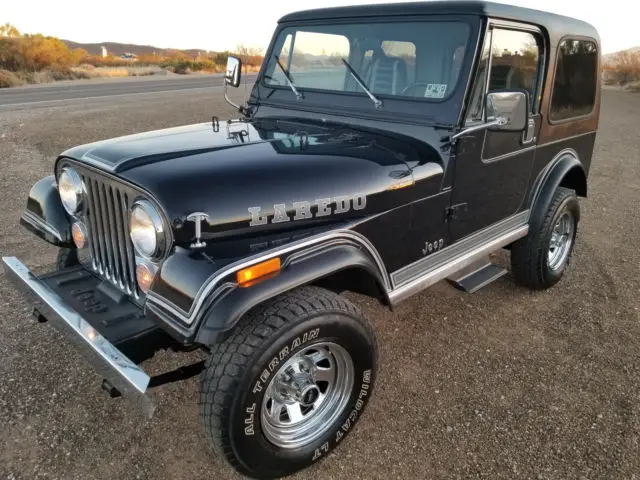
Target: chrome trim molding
[108, 361]
[566, 139]
[35, 221]
[459, 248]
[212, 281]
[508, 155]
[444, 270]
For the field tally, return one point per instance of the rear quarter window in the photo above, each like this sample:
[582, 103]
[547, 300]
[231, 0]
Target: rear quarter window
[575, 81]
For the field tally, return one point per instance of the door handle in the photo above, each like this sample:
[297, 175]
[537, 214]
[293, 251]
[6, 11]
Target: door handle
[529, 134]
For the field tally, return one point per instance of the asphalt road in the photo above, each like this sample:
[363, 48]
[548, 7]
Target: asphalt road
[32, 95]
[502, 384]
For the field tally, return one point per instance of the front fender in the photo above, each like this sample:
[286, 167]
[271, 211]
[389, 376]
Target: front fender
[224, 313]
[45, 216]
[196, 300]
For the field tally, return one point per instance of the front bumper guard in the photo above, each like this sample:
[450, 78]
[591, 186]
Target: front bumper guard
[127, 377]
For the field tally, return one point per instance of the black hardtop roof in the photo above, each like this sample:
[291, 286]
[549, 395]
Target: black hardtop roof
[557, 25]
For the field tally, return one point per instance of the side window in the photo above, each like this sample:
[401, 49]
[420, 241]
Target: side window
[515, 61]
[574, 86]
[514, 58]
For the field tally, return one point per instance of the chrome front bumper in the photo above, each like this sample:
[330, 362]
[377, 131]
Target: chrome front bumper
[130, 380]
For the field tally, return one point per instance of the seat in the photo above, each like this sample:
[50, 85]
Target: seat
[388, 75]
[507, 76]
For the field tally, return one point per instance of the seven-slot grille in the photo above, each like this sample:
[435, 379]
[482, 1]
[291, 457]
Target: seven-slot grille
[112, 254]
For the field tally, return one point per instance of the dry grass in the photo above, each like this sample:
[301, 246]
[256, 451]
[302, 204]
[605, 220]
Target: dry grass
[83, 72]
[9, 79]
[89, 71]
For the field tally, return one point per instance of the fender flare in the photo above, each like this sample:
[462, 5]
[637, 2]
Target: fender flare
[45, 216]
[225, 310]
[564, 167]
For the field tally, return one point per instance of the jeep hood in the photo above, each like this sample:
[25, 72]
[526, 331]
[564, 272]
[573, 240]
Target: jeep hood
[241, 173]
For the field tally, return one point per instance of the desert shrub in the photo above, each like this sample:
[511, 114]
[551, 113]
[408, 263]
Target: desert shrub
[60, 73]
[184, 66]
[9, 79]
[36, 52]
[623, 68]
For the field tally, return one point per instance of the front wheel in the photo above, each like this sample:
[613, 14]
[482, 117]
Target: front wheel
[289, 384]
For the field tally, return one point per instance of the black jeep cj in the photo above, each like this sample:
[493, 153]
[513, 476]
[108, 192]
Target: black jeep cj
[384, 148]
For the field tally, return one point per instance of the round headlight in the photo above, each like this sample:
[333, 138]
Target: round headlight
[146, 229]
[71, 190]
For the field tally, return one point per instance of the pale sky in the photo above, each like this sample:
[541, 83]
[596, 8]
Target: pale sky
[223, 24]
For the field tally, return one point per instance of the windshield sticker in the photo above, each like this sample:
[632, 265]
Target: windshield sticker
[435, 90]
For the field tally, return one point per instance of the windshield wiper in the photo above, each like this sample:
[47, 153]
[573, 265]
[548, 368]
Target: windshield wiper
[376, 101]
[288, 78]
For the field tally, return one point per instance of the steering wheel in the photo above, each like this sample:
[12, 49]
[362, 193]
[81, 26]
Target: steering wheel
[413, 85]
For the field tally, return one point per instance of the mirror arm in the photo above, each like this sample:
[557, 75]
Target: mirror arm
[476, 128]
[240, 108]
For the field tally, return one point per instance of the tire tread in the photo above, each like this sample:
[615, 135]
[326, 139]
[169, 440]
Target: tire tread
[528, 254]
[230, 358]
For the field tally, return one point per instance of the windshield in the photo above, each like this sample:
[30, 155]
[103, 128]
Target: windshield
[408, 59]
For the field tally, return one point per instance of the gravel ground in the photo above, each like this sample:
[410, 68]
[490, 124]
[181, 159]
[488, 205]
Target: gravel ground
[505, 383]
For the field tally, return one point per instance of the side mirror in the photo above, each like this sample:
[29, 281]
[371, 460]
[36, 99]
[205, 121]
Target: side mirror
[508, 109]
[233, 72]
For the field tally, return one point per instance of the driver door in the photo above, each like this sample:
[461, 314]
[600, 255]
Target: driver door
[492, 168]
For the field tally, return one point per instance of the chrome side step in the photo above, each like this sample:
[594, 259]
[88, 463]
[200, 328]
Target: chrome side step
[464, 260]
[478, 275]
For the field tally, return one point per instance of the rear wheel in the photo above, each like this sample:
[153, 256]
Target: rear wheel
[539, 260]
[285, 389]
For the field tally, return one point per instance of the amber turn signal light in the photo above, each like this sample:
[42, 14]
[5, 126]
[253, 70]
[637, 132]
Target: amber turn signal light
[144, 277]
[248, 276]
[79, 235]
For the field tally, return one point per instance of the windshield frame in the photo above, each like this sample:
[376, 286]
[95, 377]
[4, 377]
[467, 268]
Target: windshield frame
[443, 110]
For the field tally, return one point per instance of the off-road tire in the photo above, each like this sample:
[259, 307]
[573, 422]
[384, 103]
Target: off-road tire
[233, 385]
[529, 255]
[67, 257]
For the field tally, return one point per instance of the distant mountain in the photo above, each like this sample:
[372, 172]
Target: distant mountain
[121, 48]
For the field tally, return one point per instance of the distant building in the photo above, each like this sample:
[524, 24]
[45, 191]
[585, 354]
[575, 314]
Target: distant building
[105, 52]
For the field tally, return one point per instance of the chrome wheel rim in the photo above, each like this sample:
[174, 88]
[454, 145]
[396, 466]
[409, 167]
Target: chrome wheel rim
[307, 394]
[561, 241]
